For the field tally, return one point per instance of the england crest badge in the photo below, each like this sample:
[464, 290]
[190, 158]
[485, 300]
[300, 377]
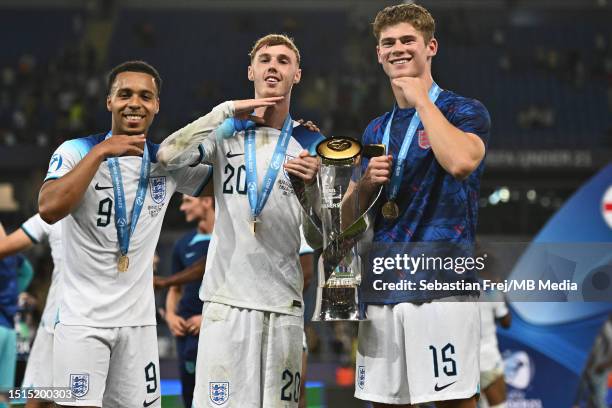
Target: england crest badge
[218, 392]
[423, 140]
[158, 189]
[79, 384]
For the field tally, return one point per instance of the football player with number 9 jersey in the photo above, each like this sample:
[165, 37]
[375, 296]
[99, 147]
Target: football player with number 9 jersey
[112, 194]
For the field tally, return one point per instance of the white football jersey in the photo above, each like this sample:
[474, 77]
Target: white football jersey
[257, 271]
[95, 293]
[262, 270]
[492, 307]
[40, 231]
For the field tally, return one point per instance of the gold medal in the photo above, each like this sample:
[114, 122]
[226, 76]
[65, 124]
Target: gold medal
[254, 222]
[390, 210]
[123, 263]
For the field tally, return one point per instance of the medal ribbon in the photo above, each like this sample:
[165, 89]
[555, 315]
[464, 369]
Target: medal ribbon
[121, 223]
[257, 199]
[398, 168]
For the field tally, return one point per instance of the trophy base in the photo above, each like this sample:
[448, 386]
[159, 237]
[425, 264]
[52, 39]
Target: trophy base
[336, 304]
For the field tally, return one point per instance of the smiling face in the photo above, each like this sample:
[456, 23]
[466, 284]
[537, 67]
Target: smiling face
[403, 52]
[273, 70]
[133, 102]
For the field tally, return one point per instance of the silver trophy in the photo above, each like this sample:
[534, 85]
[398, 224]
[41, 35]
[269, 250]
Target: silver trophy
[343, 222]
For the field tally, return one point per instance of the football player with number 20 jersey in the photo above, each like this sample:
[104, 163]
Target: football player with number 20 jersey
[250, 347]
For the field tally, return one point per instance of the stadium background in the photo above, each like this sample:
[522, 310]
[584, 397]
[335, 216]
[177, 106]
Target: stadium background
[543, 68]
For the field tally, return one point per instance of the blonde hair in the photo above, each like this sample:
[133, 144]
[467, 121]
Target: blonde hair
[415, 15]
[271, 40]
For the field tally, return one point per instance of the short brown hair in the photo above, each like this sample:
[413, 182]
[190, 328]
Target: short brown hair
[415, 15]
[271, 40]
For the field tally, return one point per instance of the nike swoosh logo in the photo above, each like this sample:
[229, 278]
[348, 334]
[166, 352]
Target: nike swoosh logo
[229, 154]
[97, 187]
[146, 404]
[444, 386]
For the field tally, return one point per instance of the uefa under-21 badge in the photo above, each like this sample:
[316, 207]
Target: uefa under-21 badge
[55, 163]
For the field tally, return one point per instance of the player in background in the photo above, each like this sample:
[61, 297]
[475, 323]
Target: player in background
[106, 330]
[183, 304]
[15, 276]
[414, 348]
[252, 329]
[39, 369]
[493, 310]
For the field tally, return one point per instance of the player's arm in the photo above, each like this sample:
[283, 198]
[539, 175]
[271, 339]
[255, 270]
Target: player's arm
[377, 173]
[13, 243]
[176, 323]
[458, 152]
[192, 273]
[307, 264]
[505, 321]
[59, 197]
[195, 143]
[502, 315]
[33, 231]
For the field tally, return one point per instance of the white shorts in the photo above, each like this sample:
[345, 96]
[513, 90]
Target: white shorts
[116, 367]
[411, 354]
[39, 370]
[248, 358]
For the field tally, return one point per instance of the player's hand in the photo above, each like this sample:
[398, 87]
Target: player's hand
[244, 108]
[25, 299]
[378, 172]
[304, 166]
[309, 125]
[193, 324]
[122, 145]
[415, 90]
[176, 324]
[159, 282]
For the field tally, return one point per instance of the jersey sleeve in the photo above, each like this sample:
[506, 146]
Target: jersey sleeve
[192, 180]
[36, 229]
[471, 116]
[66, 157]
[196, 142]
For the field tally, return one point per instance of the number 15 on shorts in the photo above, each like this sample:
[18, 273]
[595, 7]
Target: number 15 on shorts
[443, 360]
